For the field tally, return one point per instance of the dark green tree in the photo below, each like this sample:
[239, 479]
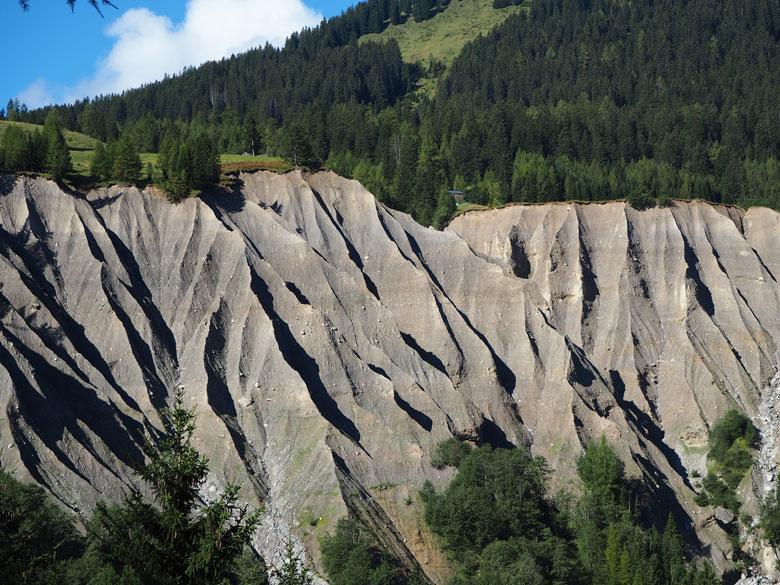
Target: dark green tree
[16, 149]
[251, 135]
[731, 440]
[533, 178]
[102, 163]
[297, 147]
[58, 161]
[127, 162]
[293, 571]
[451, 452]
[614, 548]
[204, 162]
[37, 539]
[496, 521]
[350, 558]
[174, 538]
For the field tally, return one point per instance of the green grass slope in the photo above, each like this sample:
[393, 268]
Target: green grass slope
[82, 151]
[443, 37]
[76, 140]
[82, 147]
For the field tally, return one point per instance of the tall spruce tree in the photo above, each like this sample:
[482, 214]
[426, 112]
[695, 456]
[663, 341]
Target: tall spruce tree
[174, 539]
[102, 164]
[127, 161]
[58, 161]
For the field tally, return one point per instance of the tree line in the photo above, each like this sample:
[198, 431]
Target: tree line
[566, 100]
[496, 520]
[499, 524]
[173, 537]
[38, 151]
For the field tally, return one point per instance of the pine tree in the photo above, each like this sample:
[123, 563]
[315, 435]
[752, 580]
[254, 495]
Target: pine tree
[251, 135]
[58, 161]
[203, 162]
[36, 536]
[293, 571]
[178, 187]
[102, 165]
[16, 146]
[445, 209]
[166, 157]
[127, 162]
[297, 146]
[174, 539]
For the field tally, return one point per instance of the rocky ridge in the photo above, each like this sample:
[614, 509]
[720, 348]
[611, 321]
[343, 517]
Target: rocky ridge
[329, 342]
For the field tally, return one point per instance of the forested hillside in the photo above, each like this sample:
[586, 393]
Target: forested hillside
[568, 99]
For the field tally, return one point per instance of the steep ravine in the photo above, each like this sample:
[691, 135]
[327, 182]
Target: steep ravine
[329, 342]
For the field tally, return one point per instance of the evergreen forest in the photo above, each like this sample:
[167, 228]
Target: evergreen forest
[569, 99]
[496, 520]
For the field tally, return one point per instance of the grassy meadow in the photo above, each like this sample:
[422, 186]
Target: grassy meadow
[82, 152]
[443, 37]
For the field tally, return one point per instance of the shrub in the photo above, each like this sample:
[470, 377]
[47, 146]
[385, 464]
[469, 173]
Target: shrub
[732, 440]
[350, 558]
[770, 518]
[37, 539]
[733, 428]
[449, 453]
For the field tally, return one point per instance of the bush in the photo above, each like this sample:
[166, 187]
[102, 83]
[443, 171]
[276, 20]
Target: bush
[734, 429]
[37, 539]
[732, 440]
[350, 558]
[449, 453]
[770, 518]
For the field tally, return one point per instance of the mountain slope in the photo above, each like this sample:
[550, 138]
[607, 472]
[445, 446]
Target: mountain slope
[443, 37]
[563, 100]
[329, 342]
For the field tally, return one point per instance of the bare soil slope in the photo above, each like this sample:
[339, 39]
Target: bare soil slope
[329, 342]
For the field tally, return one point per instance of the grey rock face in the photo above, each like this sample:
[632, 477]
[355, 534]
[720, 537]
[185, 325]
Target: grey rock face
[724, 516]
[329, 343]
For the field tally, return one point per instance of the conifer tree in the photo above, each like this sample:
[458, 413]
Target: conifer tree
[445, 209]
[251, 135]
[23, 151]
[36, 536]
[174, 539]
[203, 162]
[298, 148]
[127, 162]
[58, 161]
[293, 571]
[102, 164]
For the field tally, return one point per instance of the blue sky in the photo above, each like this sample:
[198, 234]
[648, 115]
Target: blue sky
[53, 55]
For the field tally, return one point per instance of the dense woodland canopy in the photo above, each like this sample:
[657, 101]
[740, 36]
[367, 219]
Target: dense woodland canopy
[499, 524]
[570, 99]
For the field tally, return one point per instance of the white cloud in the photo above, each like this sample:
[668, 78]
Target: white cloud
[147, 45]
[38, 93]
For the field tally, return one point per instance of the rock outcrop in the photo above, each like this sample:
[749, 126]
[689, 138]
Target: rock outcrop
[329, 343]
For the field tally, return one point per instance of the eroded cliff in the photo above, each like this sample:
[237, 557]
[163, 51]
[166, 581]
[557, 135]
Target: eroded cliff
[329, 343]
